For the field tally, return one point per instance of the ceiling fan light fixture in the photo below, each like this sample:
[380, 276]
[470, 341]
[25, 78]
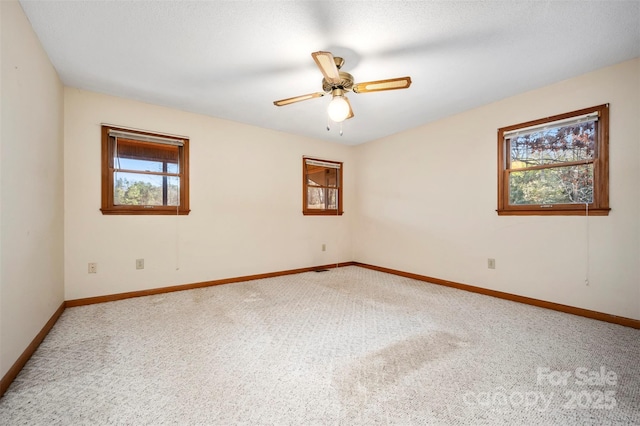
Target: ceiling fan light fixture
[338, 109]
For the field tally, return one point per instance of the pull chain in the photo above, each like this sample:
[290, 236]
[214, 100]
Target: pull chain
[329, 127]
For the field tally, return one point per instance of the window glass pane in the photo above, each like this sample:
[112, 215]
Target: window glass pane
[136, 189]
[144, 165]
[556, 145]
[173, 168]
[173, 190]
[315, 198]
[322, 198]
[321, 176]
[313, 181]
[557, 185]
[332, 202]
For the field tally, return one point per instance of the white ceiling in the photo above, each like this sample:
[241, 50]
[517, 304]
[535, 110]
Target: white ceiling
[232, 59]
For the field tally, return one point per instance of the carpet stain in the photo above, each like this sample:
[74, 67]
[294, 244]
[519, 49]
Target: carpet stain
[379, 370]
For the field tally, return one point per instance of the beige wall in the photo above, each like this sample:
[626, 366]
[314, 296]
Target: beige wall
[31, 187]
[245, 199]
[426, 203]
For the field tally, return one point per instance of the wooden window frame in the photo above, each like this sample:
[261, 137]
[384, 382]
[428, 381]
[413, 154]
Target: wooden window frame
[321, 212]
[600, 204]
[108, 171]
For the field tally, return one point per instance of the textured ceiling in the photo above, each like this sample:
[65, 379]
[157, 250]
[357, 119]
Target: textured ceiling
[232, 59]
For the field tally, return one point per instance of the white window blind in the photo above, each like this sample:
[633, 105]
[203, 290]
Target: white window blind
[546, 126]
[322, 163]
[146, 138]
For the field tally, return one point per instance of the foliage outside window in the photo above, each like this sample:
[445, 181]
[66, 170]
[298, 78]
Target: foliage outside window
[144, 173]
[556, 165]
[322, 187]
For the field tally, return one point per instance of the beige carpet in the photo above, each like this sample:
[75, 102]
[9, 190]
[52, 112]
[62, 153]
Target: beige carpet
[349, 346]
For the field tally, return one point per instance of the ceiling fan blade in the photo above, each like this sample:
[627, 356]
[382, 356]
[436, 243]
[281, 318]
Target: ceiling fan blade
[327, 65]
[380, 85]
[283, 102]
[350, 109]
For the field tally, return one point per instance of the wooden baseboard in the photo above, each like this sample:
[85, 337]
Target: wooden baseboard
[140, 293]
[627, 322]
[8, 378]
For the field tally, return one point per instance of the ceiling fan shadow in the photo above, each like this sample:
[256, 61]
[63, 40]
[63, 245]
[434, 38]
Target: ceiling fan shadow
[440, 44]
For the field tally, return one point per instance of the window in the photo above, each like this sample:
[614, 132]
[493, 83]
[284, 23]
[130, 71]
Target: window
[555, 166]
[321, 187]
[144, 173]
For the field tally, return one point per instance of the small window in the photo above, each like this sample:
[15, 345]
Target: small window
[322, 187]
[555, 166]
[144, 173]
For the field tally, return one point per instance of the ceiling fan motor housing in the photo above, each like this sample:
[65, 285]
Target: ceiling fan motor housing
[346, 83]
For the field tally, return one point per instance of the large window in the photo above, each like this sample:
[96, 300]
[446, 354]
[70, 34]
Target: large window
[556, 165]
[144, 173]
[321, 187]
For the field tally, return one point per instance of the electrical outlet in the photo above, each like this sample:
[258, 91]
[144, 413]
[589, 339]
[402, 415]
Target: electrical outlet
[491, 263]
[139, 263]
[324, 247]
[93, 268]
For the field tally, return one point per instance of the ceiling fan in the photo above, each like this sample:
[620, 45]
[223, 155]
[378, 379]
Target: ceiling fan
[338, 83]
